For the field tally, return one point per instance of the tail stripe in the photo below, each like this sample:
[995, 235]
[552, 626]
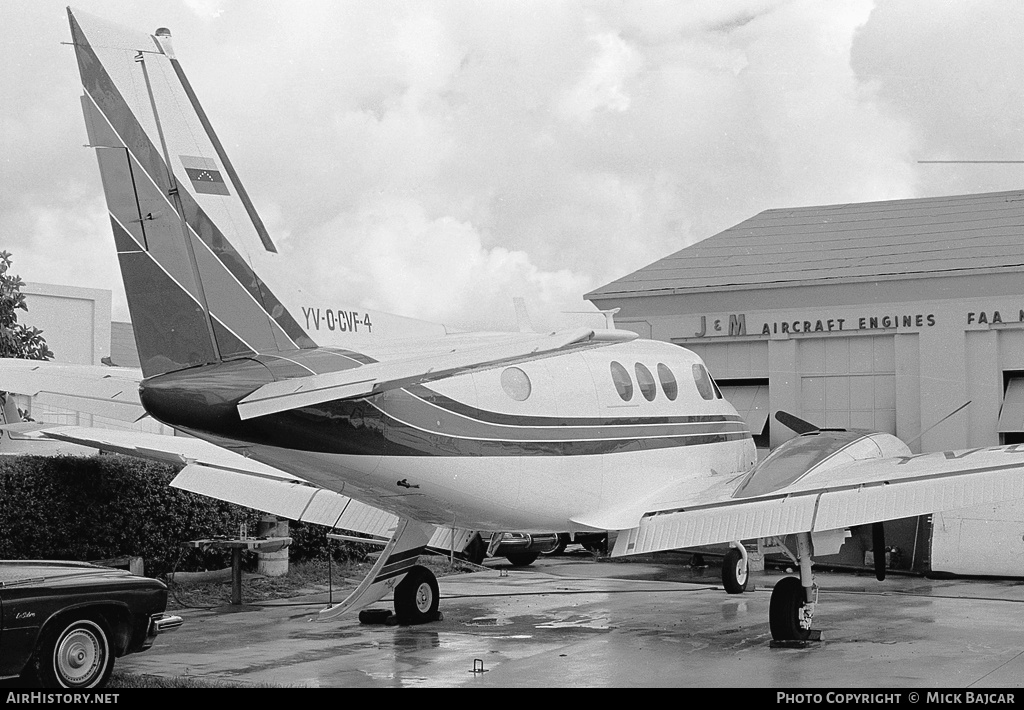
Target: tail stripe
[150, 194]
[235, 343]
[221, 293]
[234, 293]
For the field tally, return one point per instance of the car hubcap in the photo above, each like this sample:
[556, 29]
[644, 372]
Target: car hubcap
[79, 656]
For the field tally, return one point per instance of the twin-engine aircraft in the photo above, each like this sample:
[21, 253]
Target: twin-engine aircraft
[578, 431]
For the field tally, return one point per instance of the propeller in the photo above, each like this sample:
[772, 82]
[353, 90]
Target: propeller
[795, 423]
[878, 543]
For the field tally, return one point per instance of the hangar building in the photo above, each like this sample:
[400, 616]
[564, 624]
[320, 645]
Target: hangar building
[903, 316]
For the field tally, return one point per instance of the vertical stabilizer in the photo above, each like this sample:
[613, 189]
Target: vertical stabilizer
[183, 225]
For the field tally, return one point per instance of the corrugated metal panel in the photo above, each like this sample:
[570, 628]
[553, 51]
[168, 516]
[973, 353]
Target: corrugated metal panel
[846, 242]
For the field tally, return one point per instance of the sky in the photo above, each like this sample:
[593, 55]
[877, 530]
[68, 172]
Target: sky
[435, 159]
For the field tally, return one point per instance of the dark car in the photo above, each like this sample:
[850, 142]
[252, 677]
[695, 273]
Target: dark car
[62, 624]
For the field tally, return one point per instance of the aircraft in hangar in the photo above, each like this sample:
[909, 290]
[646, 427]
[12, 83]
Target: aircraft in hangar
[577, 431]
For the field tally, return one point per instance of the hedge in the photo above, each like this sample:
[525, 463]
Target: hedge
[107, 506]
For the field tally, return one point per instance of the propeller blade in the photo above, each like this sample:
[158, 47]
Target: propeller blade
[878, 543]
[795, 423]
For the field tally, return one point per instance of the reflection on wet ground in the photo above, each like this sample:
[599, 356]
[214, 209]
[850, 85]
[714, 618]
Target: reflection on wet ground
[576, 622]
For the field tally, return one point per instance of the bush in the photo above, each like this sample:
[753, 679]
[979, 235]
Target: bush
[106, 506]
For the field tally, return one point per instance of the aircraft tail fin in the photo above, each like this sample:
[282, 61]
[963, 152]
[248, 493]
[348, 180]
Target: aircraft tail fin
[186, 233]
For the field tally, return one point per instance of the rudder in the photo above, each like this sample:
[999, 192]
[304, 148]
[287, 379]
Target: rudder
[179, 214]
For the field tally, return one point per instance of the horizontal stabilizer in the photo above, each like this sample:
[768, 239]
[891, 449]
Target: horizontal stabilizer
[111, 392]
[370, 379]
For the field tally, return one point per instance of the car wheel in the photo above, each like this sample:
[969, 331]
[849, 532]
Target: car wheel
[521, 559]
[75, 654]
[559, 548]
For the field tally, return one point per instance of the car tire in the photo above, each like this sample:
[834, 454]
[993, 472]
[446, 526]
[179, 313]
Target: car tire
[522, 559]
[74, 653]
[559, 548]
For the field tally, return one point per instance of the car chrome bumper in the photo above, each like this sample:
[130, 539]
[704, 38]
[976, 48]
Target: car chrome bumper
[164, 622]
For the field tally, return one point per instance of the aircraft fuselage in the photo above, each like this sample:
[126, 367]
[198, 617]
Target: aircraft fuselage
[497, 450]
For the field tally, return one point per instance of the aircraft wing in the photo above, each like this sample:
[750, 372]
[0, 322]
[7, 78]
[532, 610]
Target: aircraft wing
[855, 493]
[456, 358]
[222, 474]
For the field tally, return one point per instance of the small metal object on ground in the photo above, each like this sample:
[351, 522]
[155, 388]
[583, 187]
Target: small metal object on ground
[478, 666]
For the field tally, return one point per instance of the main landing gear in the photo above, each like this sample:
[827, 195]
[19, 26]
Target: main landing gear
[793, 600]
[415, 587]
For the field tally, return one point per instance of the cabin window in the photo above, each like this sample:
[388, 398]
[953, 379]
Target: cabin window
[623, 383]
[645, 381]
[668, 382]
[703, 381]
[516, 383]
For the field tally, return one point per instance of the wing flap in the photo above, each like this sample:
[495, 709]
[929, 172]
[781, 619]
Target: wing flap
[294, 500]
[707, 526]
[855, 494]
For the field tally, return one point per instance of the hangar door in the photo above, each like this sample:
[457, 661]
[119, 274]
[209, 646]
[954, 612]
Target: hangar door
[849, 382]
[750, 398]
[1011, 415]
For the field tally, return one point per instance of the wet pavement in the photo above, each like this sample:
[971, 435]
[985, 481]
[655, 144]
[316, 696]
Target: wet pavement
[575, 622]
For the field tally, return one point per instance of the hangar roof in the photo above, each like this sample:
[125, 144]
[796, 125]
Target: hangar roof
[868, 241]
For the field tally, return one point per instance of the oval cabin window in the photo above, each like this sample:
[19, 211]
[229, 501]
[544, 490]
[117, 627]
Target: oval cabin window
[623, 383]
[645, 381]
[516, 383]
[668, 382]
[703, 380]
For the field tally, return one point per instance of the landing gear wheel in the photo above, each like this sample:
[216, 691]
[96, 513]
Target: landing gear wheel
[784, 610]
[476, 550]
[598, 546]
[521, 559]
[416, 597]
[734, 572]
[559, 548]
[75, 654]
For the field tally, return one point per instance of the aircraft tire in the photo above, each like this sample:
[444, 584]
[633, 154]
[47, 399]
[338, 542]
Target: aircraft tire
[417, 597]
[476, 551]
[784, 610]
[734, 572]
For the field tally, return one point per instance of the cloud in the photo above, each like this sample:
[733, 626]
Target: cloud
[565, 143]
[390, 255]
